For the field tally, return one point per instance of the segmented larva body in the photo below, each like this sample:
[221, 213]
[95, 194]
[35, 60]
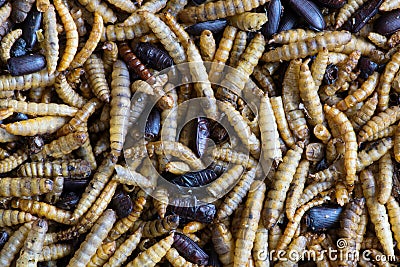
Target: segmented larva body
[349, 137]
[66, 93]
[110, 55]
[19, 187]
[120, 32]
[102, 254]
[13, 161]
[27, 81]
[224, 244]
[378, 40]
[207, 45]
[377, 212]
[236, 195]
[389, 5]
[250, 219]
[71, 34]
[153, 254]
[6, 44]
[291, 101]
[309, 95]
[393, 209]
[379, 122]
[94, 188]
[33, 244]
[38, 109]
[277, 194]
[121, 253]
[366, 48]
[365, 113]
[96, 78]
[40, 125]
[152, 6]
[385, 82]
[222, 54]
[281, 121]
[54, 252]
[347, 10]
[126, 6]
[366, 89]
[101, 8]
[120, 104]
[42, 209]
[74, 168]
[292, 36]
[234, 157]
[14, 217]
[5, 12]
[77, 16]
[313, 190]
[318, 67]
[94, 239]
[160, 201]
[296, 188]
[226, 180]
[50, 39]
[298, 245]
[216, 10]
[91, 43]
[385, 178]
[177, 260]
[301, 49]
[367, 156]
[158, 227]
[14, 244]
[248, 21]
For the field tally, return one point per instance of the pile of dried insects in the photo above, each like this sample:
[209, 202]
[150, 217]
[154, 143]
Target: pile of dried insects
[77, 78]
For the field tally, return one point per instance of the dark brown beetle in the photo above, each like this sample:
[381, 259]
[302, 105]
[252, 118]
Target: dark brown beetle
[3, 238]
[215, 26]
[331, 3]
[189, 249]
[323, 217]
[153, 56]
[218, 133]
[68, 201]
[134, 63]
[331, 74]
[122, 203]
[274, 13]
[202, 135]
[26, 64]
[362, 16]
[153, 125]
[19, 48]
[213, 260]
[310, 12]
[192, 209]
[30, 27]
[367, 67]
[195, 179]
[288, 20]
[388, 23]
[20, 9]
[75, 184]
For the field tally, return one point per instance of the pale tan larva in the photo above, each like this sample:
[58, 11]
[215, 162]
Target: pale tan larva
[224, 243]
[6, 44]
[207, 45]
[385, 81]
[347, 10]
[14, 244]
[281, 121]
[54, 252]
[101, 7]
[248, 21]
[14, 217]
[96, 78]
[50, 39]
[389, 5]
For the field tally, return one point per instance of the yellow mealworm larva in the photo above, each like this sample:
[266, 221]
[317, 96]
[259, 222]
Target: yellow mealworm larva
[42, 5]
[160, 201]
[3, 153]
[341, 194]
[120, 32]
[222, 54]
[319, 66]
[54, 252]
[121, 253]
[296, 188]
[360, 94]
[19, 187]
[153, 255]
[14, 217]
[61, 146]
[177, 260]
[312, 190]
[238, 47]
[277, 194]
[31, 127]
[38, 109]
[396, 148]
[175, 6]
[126, 6]
[207, 45]
[94, 188]
[378, 40]
[14, 244]
[249, 222]
[225, 181]
[67, 93]
[292, 226]
[301, 49]
[291, 101]
[283, 126]
[269, 131]
[120, 104]
[389, 5]
[6, 44]
[347, 10]
[379, 122]
[386, 79]
[193, 227]
[297, 247]
[91, 43]
[13, 161]
[152, 6]
[128, 176]
[25, 82]
[96, 77]
[33, 244]
[385, 178]
[102, 254]
[377, 212]
[349, 137]
[291, 36]
[373, 153]
[393, 209]
[93, 240]
[54, 195]
[309, 95]
[101, 7]
[365, 113]
[224, 244]
[248, 21]
[217, 10]
[71, 34]
[158, 227]
[42, 209]
[110, 55]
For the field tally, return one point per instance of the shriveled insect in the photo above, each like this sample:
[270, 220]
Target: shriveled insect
[20, 9]
[189, 249]
[7, 42]
[50, 39]
[101, 7]
[248, 21]
[223, 183]
[347, 10]
[192, 209]
[96, 77]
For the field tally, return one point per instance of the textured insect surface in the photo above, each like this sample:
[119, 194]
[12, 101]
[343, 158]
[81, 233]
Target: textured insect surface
[33, 244]
[20, 9]
[7, 42]
[323, 217]
[248, 21]
[192, 209]
[51, 42]
[96, 78]
[67, 93]
[13, 217]
[385, 81]
[296, 188]
[377, 212]
[153, 56]
[31, 127]
[100, 7]
[54, 252]
[19, 187]
[14, 244]
[189, 249]
[207, 45]
[277, 194]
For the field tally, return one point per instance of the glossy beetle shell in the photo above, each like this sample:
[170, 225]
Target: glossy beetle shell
[26, 64]
[310, 12]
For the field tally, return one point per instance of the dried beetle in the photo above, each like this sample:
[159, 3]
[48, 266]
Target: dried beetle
[215, 26]
[331, 3]
[26, 64]
[323, 217]
[31, 26]
[189, 249]
[193, 209]
[153, 56]
[195, 179]
[388, 23]
[122, 203]
[19, 48]
[153, 125]
[362, 16]
[310, 12]
[274, 13]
